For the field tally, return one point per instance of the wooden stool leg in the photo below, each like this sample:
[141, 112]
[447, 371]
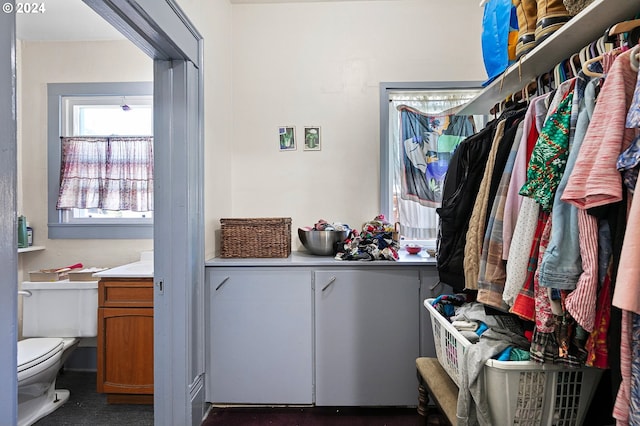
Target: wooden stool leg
[423, 401]
[423, 398]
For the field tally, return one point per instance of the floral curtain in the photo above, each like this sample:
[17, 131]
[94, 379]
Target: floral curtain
[428, 142]
[110, 173]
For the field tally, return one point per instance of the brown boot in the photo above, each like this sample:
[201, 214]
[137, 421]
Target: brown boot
[527, 17]
[551, 16]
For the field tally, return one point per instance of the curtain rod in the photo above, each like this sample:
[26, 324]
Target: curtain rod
[108, 136]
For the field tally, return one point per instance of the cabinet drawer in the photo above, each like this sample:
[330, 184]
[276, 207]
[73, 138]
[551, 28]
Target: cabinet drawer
[125, 292]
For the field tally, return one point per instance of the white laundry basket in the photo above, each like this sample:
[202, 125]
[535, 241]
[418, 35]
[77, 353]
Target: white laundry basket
[519, 392]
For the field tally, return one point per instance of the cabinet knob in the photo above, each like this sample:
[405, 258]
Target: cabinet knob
[222, 283]
[331, 280]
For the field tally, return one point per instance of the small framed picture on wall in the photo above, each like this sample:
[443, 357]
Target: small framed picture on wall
[312, 138]
[287, 136]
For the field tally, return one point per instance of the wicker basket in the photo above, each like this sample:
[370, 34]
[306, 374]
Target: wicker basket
[256, 237]
[576, 6]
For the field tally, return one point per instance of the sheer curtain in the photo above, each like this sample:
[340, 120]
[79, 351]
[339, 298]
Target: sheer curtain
[110, 173]
[424, 131]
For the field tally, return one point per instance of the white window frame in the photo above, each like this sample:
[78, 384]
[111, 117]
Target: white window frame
[70, 118]
[386, 160]
[60, 97]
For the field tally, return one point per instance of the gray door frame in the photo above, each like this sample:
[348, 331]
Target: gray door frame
[8, 221]
[163, 31]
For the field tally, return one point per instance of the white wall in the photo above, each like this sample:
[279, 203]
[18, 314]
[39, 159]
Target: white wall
[213, 20]
[266, 65]
[66, 62]
[321, 63]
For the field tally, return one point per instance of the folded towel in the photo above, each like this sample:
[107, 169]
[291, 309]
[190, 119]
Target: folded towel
[465, 325]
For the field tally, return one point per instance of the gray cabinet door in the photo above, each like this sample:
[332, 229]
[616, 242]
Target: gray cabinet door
[367, 336]
[260, 336]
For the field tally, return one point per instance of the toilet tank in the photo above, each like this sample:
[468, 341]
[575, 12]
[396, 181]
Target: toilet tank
[60, 309]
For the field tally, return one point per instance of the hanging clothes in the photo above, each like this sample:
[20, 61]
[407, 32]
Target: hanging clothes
[488, 188]
[520, 262]
[520, 250]
[561, 265]
[531, 130]
[595, 181]
[524, 303]
[570, 252]
[492, 275]
[550, 154]
[458, 197]
[472, 246]
[627, 291]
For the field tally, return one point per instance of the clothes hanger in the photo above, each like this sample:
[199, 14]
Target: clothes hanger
[525, 93]
[591, 57]
[624, 27]
[542, 86]
[600, 46]
[587, 71]
[630, 28]
[531, 88]
[547, 82]
[573, 65]
[557, 77]
[583, 55]
[593, 49]
[634, 58]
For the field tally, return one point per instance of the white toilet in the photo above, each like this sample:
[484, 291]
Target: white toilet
[54, 316]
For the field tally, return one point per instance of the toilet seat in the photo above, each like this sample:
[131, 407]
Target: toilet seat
[32, 352]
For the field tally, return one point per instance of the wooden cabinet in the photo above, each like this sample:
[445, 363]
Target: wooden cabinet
[125, 340]
[260, 336]
[367, 336]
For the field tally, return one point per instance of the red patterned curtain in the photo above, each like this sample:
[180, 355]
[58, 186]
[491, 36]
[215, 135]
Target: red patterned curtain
[110, 173]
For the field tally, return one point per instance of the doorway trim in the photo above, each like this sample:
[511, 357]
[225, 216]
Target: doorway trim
[162, 30]
[8, 220]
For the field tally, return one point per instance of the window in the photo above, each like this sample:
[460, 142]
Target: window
[103, 126]
[418, 134]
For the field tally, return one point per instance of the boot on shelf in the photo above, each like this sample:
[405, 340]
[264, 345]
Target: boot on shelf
[527, 12]
[552, 14]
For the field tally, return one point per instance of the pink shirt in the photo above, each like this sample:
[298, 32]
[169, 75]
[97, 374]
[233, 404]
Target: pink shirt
[595, 181]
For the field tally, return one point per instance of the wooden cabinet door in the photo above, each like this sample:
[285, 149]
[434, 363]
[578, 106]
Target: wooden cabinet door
[367, 336]
[260, 336]
[125, 350]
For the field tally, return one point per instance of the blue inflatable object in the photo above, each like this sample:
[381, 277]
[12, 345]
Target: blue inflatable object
[497, 23]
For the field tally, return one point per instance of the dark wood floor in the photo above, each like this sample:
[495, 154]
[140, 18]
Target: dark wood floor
[319, 416]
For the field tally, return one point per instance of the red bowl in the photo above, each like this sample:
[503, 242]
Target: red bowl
[413, 249]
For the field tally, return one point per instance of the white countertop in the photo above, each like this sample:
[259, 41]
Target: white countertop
[140, 269]
[301, 258]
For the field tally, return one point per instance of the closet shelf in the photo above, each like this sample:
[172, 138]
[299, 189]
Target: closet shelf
[30, 248]
[582, 29]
